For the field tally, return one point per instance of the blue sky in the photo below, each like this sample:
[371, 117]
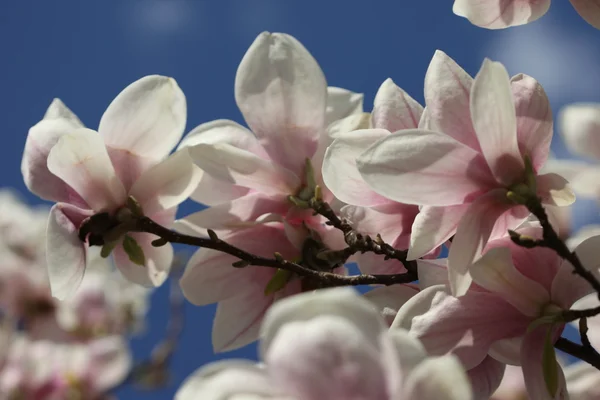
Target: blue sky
[85, 52]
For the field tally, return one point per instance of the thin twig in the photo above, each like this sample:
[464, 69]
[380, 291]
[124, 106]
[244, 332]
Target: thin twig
[584, 352]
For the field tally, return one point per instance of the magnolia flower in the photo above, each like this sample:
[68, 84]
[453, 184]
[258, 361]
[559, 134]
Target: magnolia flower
[511, 313]
[44, 370]
[472, 168]
[97, 173]
[498, 14]
[331, 344]
[245, 294]
[369, 212]
[283, 96]
[512, 386]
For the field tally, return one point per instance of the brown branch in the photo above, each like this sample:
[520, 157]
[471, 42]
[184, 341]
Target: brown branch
[582, 351]
[145, 224]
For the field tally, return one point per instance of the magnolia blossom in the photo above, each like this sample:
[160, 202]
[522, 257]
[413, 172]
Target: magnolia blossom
[245, 294]
[44, 370]
[498, 14]
[512, 386]
[472, 162]
[89, 173]
[370, 212]
[331, 344]
[511, 312]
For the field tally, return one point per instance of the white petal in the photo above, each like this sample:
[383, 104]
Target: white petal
[388, 299]
[342, 103]
[394, 109]
[499, 14]
[147, 118]
[80, 159]
[438, 378]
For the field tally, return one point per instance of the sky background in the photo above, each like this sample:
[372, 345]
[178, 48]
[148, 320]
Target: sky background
[86, 52]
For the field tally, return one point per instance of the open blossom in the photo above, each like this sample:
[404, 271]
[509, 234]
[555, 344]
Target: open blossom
[331, 344]
[245, 294]
[498, 14]
[369, 212]
[511, 312]
[96, 173]
[485, 141]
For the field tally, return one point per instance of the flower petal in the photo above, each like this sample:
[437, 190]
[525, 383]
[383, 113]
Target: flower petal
[554, 190]
[65, 253]
[388, 299]
[243, 168]
[80, 159]
[473, 232]
[394, 109]
[438, 170]
[531, 361]
[282, 93]
[342, 103]
[147, 118]
[57, 121]
[499, 14]
[340, 172]
[390, 220]
[112, 361]
[495, 272]
[534, 118]
[432, 272]
[438, 378]
[211, 191]
[589, 10]
[447, 94]
[486, 377]
[494, 119]
[167, 184]
[157, 266]
[432, 227]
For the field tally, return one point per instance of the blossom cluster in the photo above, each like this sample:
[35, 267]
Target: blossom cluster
[312, 184]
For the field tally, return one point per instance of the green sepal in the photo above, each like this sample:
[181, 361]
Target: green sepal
[549, 364]
[134, 206]
[133, 250]
[278, 281]
[107, 249]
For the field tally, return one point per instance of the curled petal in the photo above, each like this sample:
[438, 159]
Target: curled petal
[147, 118]
[167, 184]
[342, 103]
[554, 190]
[500, 14]
[494, 119]
[65, 253]
[57, 121]
[438, 170]
[394, 109]
[80, 159]
[282, 93]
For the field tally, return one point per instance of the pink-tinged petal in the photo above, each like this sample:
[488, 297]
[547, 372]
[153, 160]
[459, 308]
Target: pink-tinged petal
[447, 94]
[432, 227]
[580, 128]
[238, 319]
[236, 214]
[531, 362]
[80, 159]
[510, 219]
[243, 168]
[499, 14]
[65, 253]
[167, 184]
[438, 378]
[472, 234]
[129, 166]
[589, 10]
[157, 266]
[209, 276]
[390, 220]
[211, 191]
[394, 109]
[462, 325]
[495, 122]
[281, 91]
[388, 299]
[228, 379]
[147, 118]
[57, 121]
[312, 368]
[342, 103]
[495, 272]
[432, 272]
[568, 287]
[340, 172]
[554, 190]
[486, 377]
[534, 118]
[224, 131]
[438, 170]
[507, 351]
